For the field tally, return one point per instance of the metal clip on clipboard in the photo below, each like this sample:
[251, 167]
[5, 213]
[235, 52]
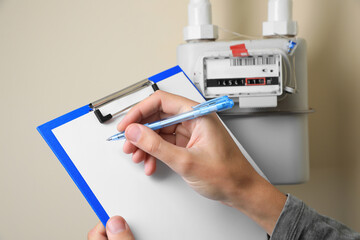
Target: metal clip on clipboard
[119, 94]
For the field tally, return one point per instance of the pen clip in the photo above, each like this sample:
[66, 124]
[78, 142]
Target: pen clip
[211, 102]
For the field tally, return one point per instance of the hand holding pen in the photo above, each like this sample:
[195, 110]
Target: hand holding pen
[203, 153]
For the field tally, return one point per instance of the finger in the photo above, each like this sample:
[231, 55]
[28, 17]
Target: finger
[138, 156]
[176, 139]
[152, 143]
[154, 117]
[97, 233]
[149, 165]
[158, 102]
[181, 130]
[171, 138]
[118, 229]
[128, 147]
[180, 138]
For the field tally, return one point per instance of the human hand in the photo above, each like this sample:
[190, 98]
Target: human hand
[203, 153]
[200, 150]
[116, 229]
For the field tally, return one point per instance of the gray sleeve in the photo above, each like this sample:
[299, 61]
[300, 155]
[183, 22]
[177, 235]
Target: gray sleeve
[300, 222]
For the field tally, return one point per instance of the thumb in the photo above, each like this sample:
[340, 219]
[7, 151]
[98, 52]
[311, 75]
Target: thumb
[153, 144]
[118, 229]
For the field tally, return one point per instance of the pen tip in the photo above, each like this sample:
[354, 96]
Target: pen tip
[109, 139]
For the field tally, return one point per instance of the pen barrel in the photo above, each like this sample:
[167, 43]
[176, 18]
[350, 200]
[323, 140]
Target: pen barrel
[171, 120]
[221, 104]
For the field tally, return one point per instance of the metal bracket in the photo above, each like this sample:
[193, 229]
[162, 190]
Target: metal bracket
[119, 94]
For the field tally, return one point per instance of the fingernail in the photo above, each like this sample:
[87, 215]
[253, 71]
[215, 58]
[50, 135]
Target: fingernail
[133, 133]
[116, 225]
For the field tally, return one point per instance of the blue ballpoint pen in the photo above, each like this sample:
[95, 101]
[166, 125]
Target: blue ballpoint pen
[213, 105]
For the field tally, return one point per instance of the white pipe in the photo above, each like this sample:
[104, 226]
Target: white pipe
[199, 22]
[280, 20]
[279, 10]
[199, 12]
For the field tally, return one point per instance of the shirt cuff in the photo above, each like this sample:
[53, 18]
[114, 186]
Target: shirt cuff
[289, 219]
[298, 221]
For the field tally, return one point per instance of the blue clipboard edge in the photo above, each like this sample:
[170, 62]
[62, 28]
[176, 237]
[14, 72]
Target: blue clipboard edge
[46, 132]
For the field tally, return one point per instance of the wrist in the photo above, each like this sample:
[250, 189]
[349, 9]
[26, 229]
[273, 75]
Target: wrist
[261, 201]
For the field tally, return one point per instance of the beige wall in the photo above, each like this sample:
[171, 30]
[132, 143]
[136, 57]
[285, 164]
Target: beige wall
[58, 55]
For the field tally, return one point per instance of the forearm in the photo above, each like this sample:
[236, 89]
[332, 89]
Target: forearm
[286, 217]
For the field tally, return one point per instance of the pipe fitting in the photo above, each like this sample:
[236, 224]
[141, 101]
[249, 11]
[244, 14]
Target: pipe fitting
[280, 19]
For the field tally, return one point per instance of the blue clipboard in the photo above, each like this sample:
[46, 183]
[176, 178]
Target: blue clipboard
[170, 198]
